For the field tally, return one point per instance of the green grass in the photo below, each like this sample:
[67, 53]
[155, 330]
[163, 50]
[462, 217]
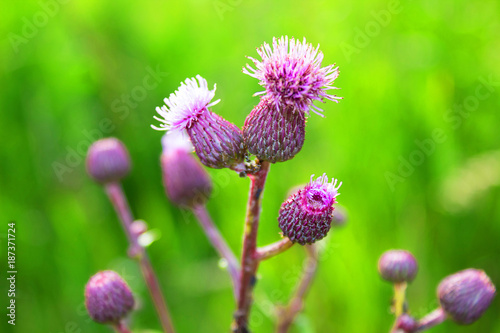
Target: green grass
[400, 84]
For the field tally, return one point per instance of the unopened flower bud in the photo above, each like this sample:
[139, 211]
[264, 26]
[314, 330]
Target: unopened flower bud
[397, 266]
[306, 216]
[273, 134]
[108, 160]
[186, 182]
[406, 323]
[217, 142]
[466, 295]
[108, 298]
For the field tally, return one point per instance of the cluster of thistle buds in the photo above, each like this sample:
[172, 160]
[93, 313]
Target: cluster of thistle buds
[463, 297]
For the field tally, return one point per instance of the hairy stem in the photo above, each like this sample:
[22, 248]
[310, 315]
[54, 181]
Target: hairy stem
[121, 328]
[273, 249]
[136, 251]
[249, 262]
[434, 318]
[219, 243]
[287, 314]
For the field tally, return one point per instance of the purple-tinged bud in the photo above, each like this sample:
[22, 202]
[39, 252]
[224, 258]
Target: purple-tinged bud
[108, 160]
[306, 216]
[397, 266]
[274, 135]
[186, 182]
[406, 323]
[466, 295]
[108, 298]
[217, 142]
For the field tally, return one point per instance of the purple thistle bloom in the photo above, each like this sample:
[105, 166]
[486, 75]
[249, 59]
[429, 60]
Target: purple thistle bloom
[108, 298]
[306, 216]
[397, 266]
[292, 75]
[186, 182]
[217, 142]
[466, 295]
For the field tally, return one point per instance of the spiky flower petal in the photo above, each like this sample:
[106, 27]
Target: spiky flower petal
[217, 142]
[306, 216]
[291, 73]
[185, 105]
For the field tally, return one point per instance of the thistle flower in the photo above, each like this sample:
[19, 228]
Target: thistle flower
[292, 75]
[108, 160]
[186, 182]
[397, 266]
[466, 295]
[217, 142]
[293, 79]
[306, 216]
[108, 298]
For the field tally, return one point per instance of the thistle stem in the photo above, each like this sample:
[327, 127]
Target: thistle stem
[219, 243]
[434, 318]
[121, 328]
[249, 262]
[138, 252]
[273, 249]
[287, 314]
[399, 298]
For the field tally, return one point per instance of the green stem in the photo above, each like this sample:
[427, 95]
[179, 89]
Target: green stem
[399, 298]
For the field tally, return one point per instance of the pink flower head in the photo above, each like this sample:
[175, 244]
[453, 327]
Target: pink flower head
[217, 142]
[306, 216]
[320, 194]
[185, 105]
[292, 75]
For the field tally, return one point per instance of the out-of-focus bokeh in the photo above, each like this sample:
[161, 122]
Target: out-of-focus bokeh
[415, 141]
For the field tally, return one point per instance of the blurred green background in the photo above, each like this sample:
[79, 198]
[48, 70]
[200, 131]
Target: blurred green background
[415, 142]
